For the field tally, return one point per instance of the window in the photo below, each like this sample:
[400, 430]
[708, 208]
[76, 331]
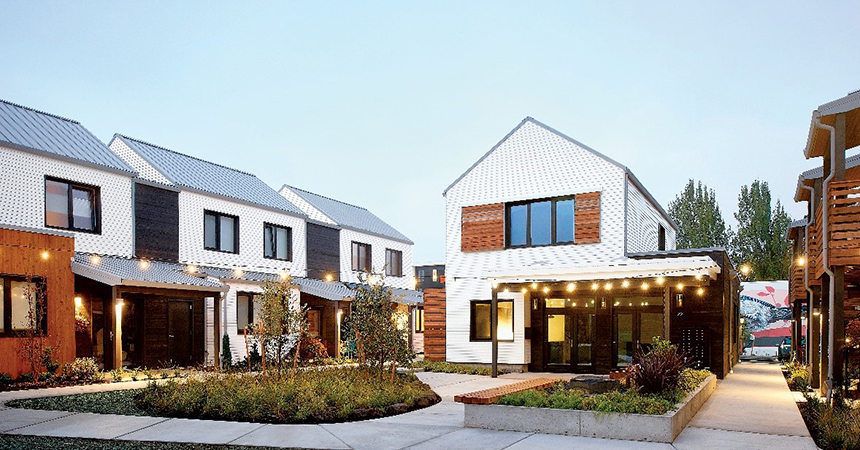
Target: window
[661, 238]
[435, 275]
[481, 315]
[314, 317]
[361, 257]
[220, 232]
[16, 294]
[541, 222]
[247, 310]
[419, 320]
[71, 206]
[393, 262]
[277, 242]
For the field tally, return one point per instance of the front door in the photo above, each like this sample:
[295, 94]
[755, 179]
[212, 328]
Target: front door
[636, 328]
[569, 337]
[179, 336]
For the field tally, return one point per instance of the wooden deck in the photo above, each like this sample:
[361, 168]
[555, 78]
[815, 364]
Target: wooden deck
[488, 396]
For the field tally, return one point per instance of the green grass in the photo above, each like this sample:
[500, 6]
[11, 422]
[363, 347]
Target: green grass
[446, 367]
[10, 442]
[110, 402]
[629, 401]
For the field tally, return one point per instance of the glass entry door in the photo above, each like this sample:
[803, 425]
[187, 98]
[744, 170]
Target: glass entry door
[569, 339]
[635, 329]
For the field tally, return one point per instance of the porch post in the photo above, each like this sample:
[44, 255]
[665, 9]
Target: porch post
[216, 328]
[837, 297]
[825, 333]
[667, 313]
[117, 328]
[814, 330]
[494, 332]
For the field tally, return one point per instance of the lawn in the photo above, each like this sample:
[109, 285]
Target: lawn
[312, 396]
[11, 442]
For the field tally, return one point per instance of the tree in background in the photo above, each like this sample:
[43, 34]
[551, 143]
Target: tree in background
[697, 214]
[761, 237]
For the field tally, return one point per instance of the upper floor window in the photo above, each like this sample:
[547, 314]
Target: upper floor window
[220, 232]
[22, 304]
[393, 263]
[661, 238]
[361, 257]
[277, 242]
[71, 206]
[541, 222]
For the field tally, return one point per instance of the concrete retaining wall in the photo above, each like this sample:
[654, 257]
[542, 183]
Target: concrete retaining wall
[636, 427]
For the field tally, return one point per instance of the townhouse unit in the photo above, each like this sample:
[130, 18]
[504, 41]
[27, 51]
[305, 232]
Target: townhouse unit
[558, 259]
[165, 253]
[826, 251]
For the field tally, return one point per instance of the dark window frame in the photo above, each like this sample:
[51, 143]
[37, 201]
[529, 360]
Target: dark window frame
[6, 280]
[218, 216]
[96, 205]
[274, 228]
[553, 221]
[389, 267]
[472, 320]
[251, 300]
[368, 267]
[661, 237]
[419, 320]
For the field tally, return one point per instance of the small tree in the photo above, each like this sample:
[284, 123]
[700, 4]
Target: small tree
[33, 348]
[226, 354]
[375, 328]
[282, 323]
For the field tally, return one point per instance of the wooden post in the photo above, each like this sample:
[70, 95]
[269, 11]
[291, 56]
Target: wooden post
[494, 330]
[837, 300]
[667, 313]
[814, 330]
[117, 328]
[825, 333]
[216, 328]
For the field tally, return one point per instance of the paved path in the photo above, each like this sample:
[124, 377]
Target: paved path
[750, 396]
[752, 408]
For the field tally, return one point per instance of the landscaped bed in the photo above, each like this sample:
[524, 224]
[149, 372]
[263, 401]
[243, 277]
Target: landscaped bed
[15, 442]
[311, 396]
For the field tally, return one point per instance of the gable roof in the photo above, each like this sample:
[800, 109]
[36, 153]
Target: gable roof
[627, 171]
[207, 177]
[350, 216]
[38, 132]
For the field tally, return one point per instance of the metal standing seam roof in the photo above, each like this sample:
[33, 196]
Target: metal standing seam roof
[194, 173]
[27, 129]
[117, 271]
[350, 216]
[633, 179]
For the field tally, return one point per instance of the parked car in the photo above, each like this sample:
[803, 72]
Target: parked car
[784, 350]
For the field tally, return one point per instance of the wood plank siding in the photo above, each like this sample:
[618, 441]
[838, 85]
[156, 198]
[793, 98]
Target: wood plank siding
[156, 224]
[323, 251]
[587, 218]
[49, 257]
[434, 324]
[483, 227]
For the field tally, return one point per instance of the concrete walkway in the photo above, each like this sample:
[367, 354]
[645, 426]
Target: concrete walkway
[752, 408]
[752, 395]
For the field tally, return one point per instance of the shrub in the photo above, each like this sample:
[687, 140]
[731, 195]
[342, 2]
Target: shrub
[658, 370]
[446, 367]
[116, 375]
[81, 369]
[5, 379]
[323, 395]
[630, 401]
[311, 348]
[226, 354]
[833, 427]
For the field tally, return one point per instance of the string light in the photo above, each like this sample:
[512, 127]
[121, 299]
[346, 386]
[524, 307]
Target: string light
[144, 264]
[495, 285]
[661, 280]
[680, 286]
[283, 274]
[534, 285]
[191, 268]
[700, 291]
[746, 269]
[329, 277]
[571, 287]
[607, 286]
[524, 290]
[801, 261]
[594, 286]
[617, 303]
[237, 272]
[699, 277]
[644, 286]
[45, 255]
[545, 290]
[625, 284]
[95, 260]
[507, 290]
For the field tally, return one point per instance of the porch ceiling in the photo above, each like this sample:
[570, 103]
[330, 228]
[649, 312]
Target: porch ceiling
[690, 266]
[818, 141]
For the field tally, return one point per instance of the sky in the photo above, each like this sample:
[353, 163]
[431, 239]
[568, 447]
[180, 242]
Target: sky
[384, 104]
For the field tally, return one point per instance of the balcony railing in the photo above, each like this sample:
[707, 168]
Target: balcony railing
[844, 223]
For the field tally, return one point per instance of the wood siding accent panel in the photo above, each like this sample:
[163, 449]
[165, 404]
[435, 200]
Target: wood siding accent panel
[434, 324]
[21, 254]
[587, 218]
[483, 227]
[156, 226]
[323, 251]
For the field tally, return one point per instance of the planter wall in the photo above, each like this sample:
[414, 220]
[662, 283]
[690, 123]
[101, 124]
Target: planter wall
[636, 427]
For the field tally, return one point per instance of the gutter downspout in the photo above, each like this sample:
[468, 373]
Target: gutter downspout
[831, 351]
[806, 266]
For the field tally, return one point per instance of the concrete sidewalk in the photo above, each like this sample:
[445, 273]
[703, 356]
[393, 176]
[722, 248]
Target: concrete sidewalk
[751, 396]
[752, 408]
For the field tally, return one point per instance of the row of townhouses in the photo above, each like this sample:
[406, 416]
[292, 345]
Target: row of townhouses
[149, 256]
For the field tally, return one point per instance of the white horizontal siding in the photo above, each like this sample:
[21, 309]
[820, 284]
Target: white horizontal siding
[643, 220]
[143, 168]
[304, 206]
[22, 199]
[377, 249]
[251, 219]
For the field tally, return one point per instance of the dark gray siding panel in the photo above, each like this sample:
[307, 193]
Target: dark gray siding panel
[156, 223]
[323, 251]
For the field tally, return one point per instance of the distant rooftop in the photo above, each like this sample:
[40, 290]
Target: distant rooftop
[190, 172]
[34, 131]
[349, 216]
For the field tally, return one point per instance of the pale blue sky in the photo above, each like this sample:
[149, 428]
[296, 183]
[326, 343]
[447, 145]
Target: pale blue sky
[384, 104]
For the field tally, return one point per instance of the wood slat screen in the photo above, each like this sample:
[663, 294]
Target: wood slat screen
[482, 228]
[434, 324]
[587, 218]
[844, 223]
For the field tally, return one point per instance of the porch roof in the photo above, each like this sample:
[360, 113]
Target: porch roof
[818, 141]
[117, 271]
[686, 266]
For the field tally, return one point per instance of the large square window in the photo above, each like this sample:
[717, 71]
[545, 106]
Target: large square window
[393, 263]
[541, 222]
[247, 310]
[18, 299]
[220, 232]
[277, 242]
[481, 312]
[71, 206]
[361, 260]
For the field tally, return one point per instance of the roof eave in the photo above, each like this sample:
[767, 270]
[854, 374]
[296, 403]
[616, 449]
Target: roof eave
[81, 162]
